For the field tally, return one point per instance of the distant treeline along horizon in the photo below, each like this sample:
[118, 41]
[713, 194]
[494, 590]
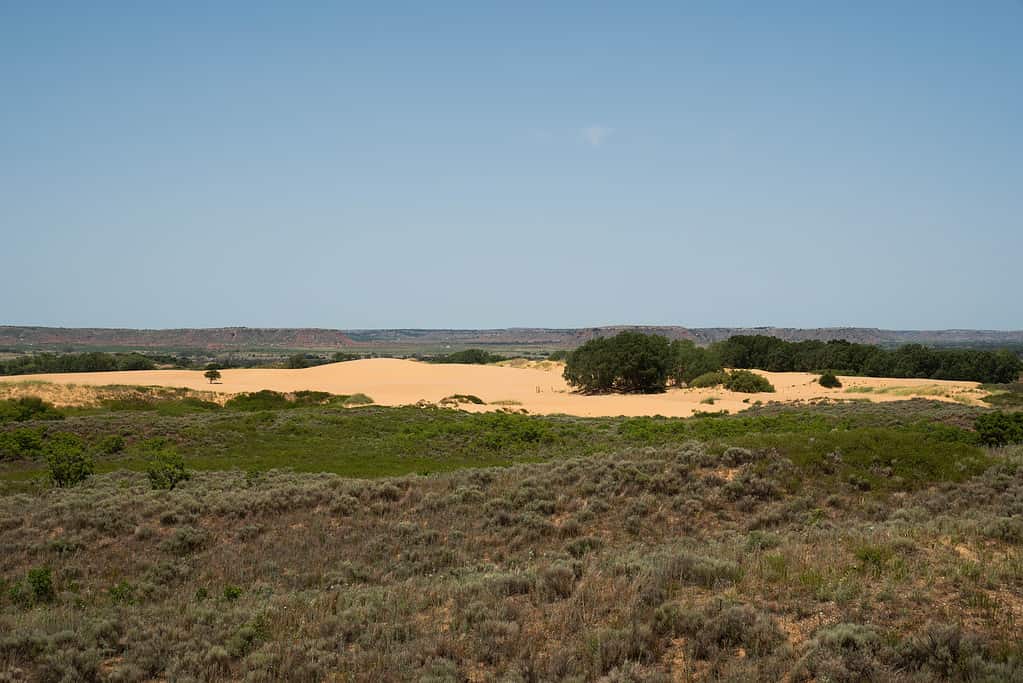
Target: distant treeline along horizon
[637, 362]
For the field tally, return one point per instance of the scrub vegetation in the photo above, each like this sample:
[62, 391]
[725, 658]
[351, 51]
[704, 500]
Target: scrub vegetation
[303, 539]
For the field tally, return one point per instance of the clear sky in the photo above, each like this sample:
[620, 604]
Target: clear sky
[486, 164]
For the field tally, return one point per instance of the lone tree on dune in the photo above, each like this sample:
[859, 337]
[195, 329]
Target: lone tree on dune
[212, 375]
[629, 362]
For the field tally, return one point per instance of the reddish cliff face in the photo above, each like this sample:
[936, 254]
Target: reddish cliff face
[324, 339]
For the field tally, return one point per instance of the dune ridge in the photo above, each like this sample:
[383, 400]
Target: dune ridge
[392, 382]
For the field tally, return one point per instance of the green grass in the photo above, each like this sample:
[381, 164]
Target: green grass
[312, 433]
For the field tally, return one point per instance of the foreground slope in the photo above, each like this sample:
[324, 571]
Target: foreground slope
[674, 563]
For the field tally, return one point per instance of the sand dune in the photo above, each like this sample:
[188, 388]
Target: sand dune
[400, 382]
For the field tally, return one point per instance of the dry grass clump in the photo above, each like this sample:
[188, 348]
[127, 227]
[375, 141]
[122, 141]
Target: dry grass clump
[655, 563]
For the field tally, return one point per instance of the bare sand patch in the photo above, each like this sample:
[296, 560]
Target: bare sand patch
[393, 382]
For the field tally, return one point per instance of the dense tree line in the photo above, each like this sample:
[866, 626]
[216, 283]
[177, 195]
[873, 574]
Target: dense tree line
[843, 357]
[75, 362]
[467, 357]
[636, 362]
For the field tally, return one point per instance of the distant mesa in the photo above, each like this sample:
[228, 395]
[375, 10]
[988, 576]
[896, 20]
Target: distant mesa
[334, 339]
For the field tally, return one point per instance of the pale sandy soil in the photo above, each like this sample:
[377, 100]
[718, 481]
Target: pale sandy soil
[401, 382]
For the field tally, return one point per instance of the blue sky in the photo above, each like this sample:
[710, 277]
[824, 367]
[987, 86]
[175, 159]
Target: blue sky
[515, 164]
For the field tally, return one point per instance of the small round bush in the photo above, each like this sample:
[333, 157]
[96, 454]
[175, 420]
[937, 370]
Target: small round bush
[747, 382]
[830, 381]
[110, 444]
[709, 379]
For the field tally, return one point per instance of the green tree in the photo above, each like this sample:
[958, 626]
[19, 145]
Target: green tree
[212, 375]
[689, 361]
[297, 361]
[630, 362]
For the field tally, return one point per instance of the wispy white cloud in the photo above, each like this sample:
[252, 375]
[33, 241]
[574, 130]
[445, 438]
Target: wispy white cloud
[596, 135]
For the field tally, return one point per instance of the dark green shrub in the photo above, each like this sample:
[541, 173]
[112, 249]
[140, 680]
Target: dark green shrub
[232, 593]
[122, 593]
[709, 379]
[24, 442]
[829, 380]
[28, 408]
[999, 429]
[747, 382]
[166, 469]
[40, 585]
[259, 400]
[311, 398]
[463, 398]
[68, 462]
[110, 444]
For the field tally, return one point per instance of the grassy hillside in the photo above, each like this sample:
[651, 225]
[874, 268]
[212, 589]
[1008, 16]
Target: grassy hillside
[843, 541]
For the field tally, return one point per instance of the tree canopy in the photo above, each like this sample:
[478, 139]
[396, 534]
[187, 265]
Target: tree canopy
[911, 360]
[468, 357]
[636, 362]
[35, 363]
[629, 362]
